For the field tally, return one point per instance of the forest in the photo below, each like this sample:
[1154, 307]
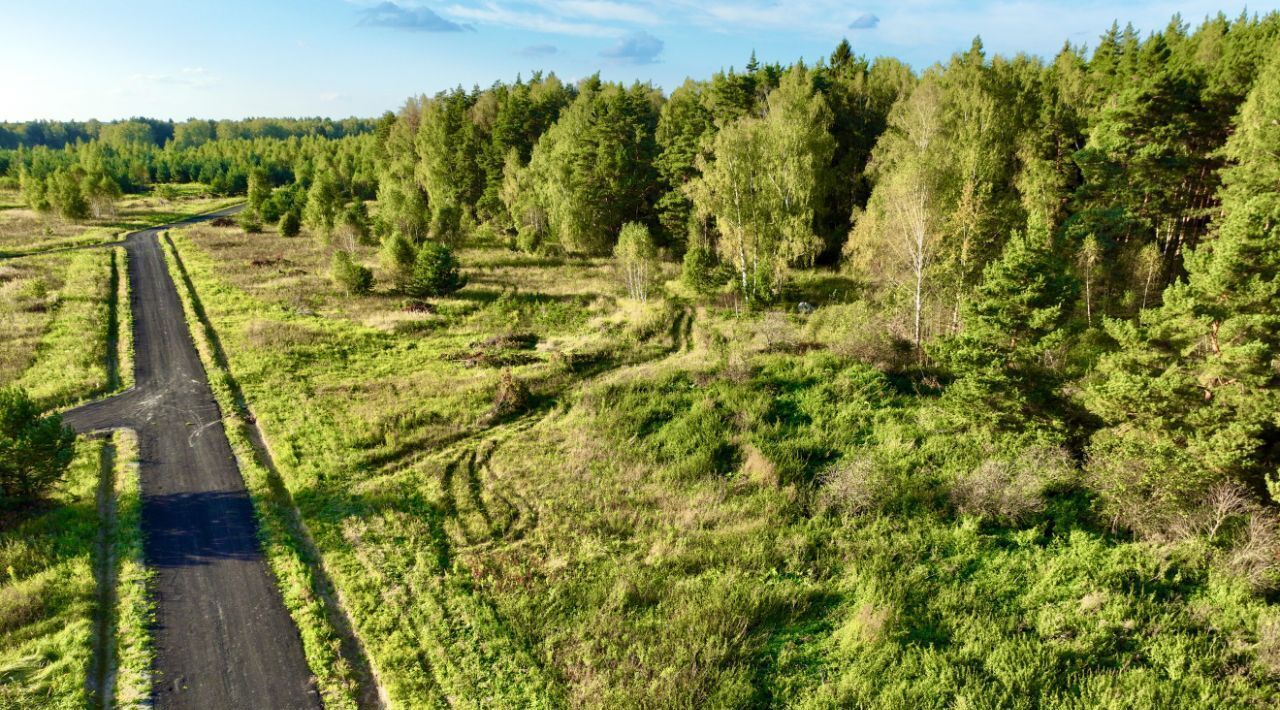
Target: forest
[830, 384]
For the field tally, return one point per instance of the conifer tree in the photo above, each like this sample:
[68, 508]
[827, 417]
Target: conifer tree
[1192, 396]
[1012, 321]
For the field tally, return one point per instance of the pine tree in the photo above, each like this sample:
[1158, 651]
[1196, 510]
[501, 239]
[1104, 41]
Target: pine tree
[398, 255]
[324, 203]
[1015, 318]
[1192, 396]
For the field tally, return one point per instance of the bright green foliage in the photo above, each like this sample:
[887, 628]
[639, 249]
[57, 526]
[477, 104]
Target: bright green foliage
[1193, 393]
[324, 204]
[637, 260]
[48, 593]
[763, 185]
[259, 190]
[127, 133]
[1013, 321]
[593, 170]
[355, 279]
[250, 220]
[398, 256]
[447, 143]
[699, 270]
[35, 449]
[402, 203]
[435, 272]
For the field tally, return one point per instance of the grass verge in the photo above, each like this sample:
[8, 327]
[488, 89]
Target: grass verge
[134, 611]
[122, 328]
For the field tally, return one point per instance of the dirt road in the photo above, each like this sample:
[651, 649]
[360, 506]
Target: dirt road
[223, 638]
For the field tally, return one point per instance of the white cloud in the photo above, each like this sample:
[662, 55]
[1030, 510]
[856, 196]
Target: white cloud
[186, 77]
[493, 13]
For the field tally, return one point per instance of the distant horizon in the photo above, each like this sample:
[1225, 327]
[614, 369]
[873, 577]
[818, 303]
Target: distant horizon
[359, 58]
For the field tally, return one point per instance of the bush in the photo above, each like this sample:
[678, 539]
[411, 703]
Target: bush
[290, 224]
[529, 240]
[35, 450]
[637, 260]
[1010, 491]
[699, 271]
[511, 398]
[854, 488]
[249, 221]
[168, 192]
[350, 276]
[446, 224]
[435, 272]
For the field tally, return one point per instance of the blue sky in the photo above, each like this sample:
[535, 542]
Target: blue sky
[79, 59]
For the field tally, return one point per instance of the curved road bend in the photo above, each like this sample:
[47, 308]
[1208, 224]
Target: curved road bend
[223, 638]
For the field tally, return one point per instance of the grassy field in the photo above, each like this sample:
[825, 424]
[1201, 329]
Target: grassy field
[24, 231]
[64, 308]
[535, 493]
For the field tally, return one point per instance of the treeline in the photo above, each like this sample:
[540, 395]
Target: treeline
[85, 179]
[185, 134]
[1117, 150]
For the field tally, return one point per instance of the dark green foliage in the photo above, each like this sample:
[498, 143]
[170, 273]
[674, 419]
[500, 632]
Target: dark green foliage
[700, 271]
[290, 224]
[355, 279]
[35, 449]
[1012, 323]
[1191, 395]
[435, 272]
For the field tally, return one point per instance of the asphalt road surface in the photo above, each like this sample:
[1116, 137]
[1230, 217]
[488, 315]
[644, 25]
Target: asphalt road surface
[223, 638]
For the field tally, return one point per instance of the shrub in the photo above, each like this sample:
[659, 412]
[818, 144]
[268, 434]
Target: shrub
[511, 397]
[435, 272]
[699, 271]
[529, 239]
[1011, 490]
[35, 449]
[398, 258]
[446, 224]
[290, 224]
[353, 278]
[249, 221]
[854, 488]
[168, 192]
